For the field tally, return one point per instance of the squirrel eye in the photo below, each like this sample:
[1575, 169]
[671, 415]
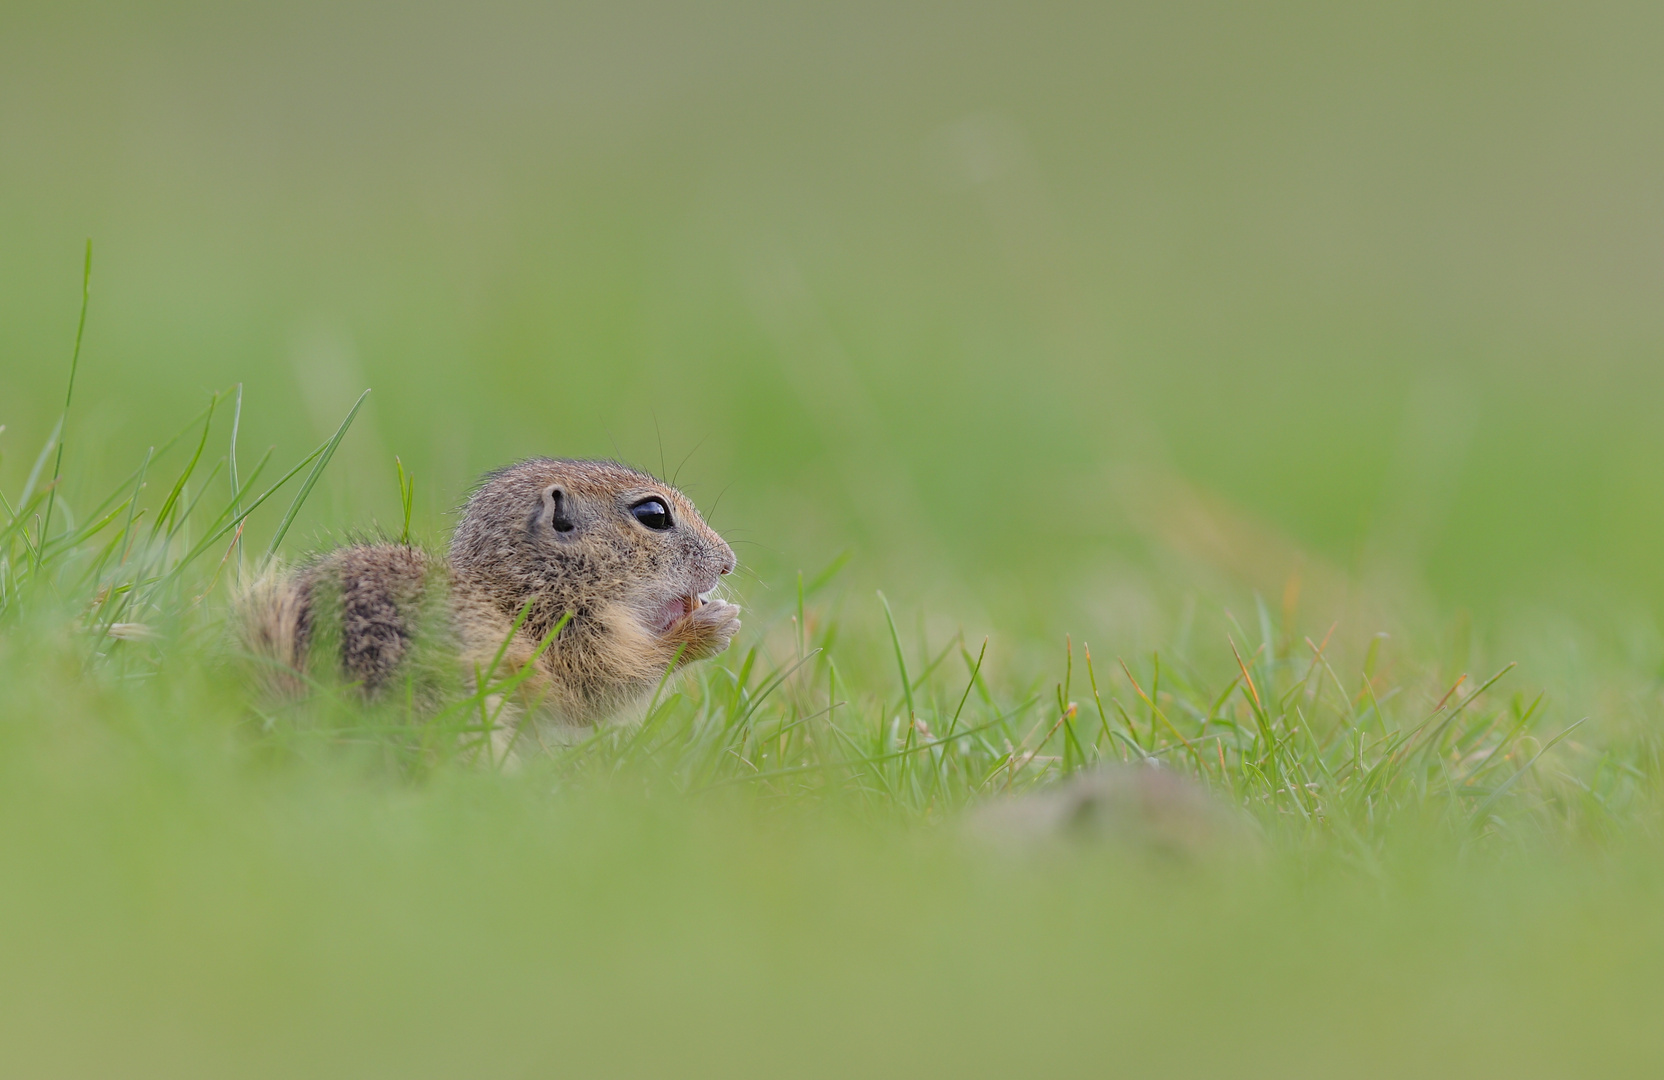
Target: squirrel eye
[653, 514]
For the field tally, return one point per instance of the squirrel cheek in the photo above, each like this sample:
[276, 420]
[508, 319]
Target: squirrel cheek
[670, 613]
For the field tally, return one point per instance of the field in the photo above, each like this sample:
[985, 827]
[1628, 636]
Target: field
[1268, 394]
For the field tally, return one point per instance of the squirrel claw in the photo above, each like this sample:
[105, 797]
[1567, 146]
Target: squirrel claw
[707, 630]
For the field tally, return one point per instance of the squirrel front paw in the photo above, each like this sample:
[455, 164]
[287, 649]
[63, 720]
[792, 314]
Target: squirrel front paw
[706, 630]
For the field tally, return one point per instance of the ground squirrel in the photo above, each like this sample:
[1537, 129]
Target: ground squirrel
[624, 554]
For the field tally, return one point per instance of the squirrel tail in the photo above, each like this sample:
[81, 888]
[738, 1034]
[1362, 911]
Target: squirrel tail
[272, 622]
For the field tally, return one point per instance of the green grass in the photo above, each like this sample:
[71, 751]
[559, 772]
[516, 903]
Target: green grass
[800, 711]
[770, 872]
[1271, 391]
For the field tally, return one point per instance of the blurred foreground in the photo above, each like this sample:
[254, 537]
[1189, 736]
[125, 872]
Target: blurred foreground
[178, 901]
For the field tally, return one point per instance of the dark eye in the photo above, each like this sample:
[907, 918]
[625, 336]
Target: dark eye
[653, 514]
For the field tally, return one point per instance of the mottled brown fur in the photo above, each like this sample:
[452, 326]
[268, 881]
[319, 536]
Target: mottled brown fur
[549, 536]
[381, 587]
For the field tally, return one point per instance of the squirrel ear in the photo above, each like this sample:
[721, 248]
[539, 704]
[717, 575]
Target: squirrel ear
[554, 509]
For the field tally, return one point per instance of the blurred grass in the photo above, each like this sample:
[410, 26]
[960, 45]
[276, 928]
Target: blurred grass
[875, 266]
[1157, 325]
[770, 871]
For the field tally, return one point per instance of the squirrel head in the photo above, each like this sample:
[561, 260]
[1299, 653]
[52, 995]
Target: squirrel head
[595, 538]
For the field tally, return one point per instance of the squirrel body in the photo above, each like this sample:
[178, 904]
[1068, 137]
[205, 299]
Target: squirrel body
[622, 557]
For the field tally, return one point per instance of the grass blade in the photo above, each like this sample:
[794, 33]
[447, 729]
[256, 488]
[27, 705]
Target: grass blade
[172, 501]
[69, 394]
[901, 663]
[1502, 788]
[324, 453]
[236, 489]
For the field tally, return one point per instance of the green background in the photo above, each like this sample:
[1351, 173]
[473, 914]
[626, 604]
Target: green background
[970, 290]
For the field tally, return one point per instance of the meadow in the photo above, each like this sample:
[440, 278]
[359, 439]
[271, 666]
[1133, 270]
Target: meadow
[1267, 396]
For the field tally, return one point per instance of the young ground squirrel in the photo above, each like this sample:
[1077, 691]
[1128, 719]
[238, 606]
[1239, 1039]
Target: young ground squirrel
[625, 556]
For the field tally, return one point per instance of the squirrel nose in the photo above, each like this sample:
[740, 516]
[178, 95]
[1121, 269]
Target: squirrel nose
[727, 564]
